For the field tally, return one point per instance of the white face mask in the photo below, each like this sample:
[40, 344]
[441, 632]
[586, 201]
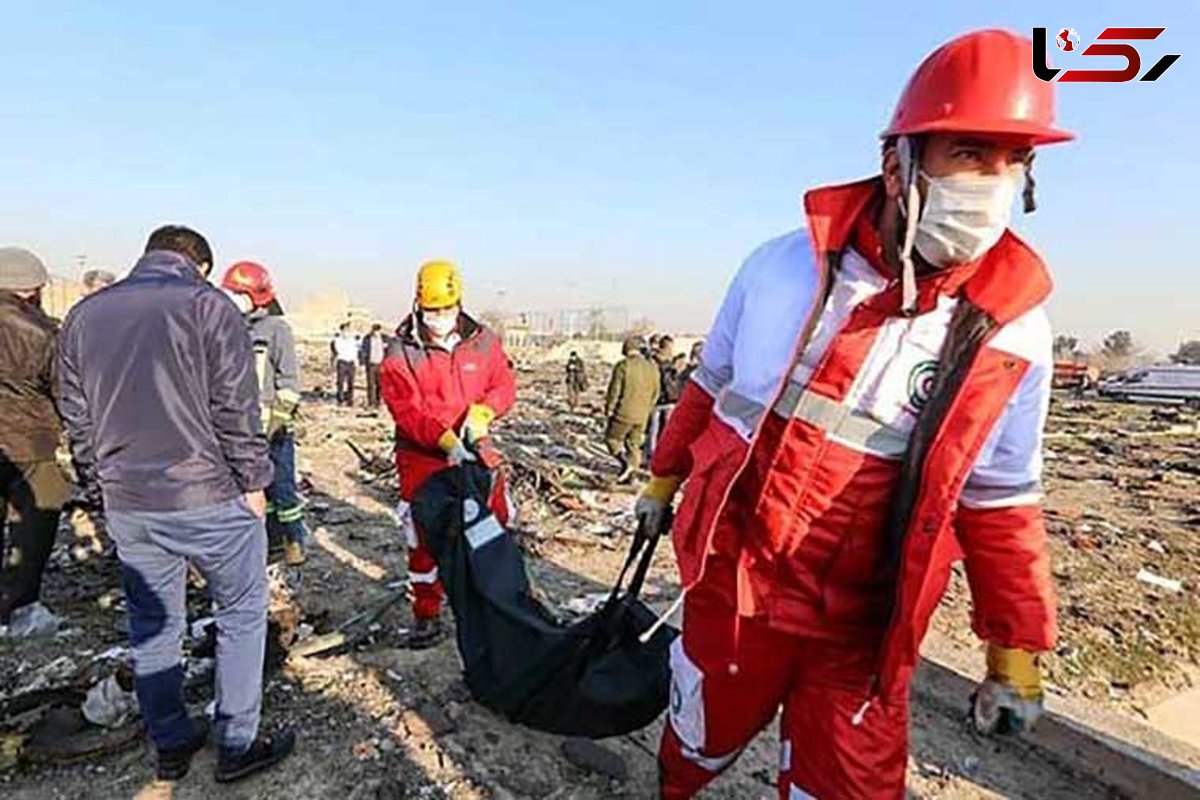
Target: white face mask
[242, 301]
[440, 323]
[964, 216]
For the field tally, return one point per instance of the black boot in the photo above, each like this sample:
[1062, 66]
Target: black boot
[266, 751]
[174, 763]
[426, 633]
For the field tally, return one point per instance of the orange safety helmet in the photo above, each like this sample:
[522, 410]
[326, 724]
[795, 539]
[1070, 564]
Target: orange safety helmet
[246, 277]
[981, 82]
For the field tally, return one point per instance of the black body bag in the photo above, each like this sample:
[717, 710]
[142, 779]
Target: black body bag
[593, 678]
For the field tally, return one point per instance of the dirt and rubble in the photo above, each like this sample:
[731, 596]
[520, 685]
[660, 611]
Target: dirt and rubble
[1123, 517]
[377, 720]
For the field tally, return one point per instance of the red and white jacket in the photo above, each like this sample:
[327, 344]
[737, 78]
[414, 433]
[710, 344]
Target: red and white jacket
[429, 388]
[840, 456]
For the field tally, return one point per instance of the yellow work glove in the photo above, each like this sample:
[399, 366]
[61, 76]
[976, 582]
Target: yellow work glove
[653, 505]
[1010, 699]
[478, 422]
[455, 450]
[280, 416]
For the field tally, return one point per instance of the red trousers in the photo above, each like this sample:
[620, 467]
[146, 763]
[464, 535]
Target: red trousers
[728, 685]
[428, 593]
[423, 577]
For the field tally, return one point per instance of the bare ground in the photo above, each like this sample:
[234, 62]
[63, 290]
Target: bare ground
[382, 721]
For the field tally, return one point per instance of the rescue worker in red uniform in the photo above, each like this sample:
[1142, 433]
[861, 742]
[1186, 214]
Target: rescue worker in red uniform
[867, 410]
[445, 379]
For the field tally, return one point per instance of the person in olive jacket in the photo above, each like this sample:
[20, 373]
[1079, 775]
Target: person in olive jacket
[633, 392]
[32, 486]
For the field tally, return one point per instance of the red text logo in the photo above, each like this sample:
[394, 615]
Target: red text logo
[1112, 42]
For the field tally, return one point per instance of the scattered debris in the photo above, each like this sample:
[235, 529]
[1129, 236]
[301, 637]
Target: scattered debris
[1118, 502]
[10, 750]
[1166, 584]
[349, 633]
[585, 605]
[109, 704]
[338, 516]
[30, 621]
[57, 673]
[63, 736]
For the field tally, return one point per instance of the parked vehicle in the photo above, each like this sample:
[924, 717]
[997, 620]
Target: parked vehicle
[1161, 384]
[1077, 378]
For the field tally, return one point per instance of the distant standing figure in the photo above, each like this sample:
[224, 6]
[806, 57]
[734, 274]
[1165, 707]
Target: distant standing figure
[576, 379]
[344, 350]
[668, 372]
[96, 279]
[692, 362]
[632, 392]
[370, 355]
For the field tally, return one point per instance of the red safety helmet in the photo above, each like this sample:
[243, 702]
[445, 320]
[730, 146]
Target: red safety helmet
[980, 82]
[246, 277]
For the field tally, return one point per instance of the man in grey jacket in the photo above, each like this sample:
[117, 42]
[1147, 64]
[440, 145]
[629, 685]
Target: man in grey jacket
[160, 400]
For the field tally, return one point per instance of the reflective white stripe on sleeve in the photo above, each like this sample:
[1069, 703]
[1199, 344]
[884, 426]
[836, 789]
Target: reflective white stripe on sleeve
[1025, 494]
[739, 412]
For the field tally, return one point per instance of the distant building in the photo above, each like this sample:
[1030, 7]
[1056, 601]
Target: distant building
[516, 333]
[554, 325]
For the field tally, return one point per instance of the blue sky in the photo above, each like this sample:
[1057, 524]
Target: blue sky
[564, 153]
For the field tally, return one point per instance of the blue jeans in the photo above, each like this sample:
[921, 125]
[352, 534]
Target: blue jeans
[285, 512]
[228, 545]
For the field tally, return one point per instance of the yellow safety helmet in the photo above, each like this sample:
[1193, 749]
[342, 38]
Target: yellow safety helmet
[439, 285]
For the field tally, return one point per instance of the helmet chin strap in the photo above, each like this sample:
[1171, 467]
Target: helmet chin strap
[910, 207]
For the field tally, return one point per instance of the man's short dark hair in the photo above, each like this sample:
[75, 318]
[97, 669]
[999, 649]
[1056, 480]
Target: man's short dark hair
[184, 241]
